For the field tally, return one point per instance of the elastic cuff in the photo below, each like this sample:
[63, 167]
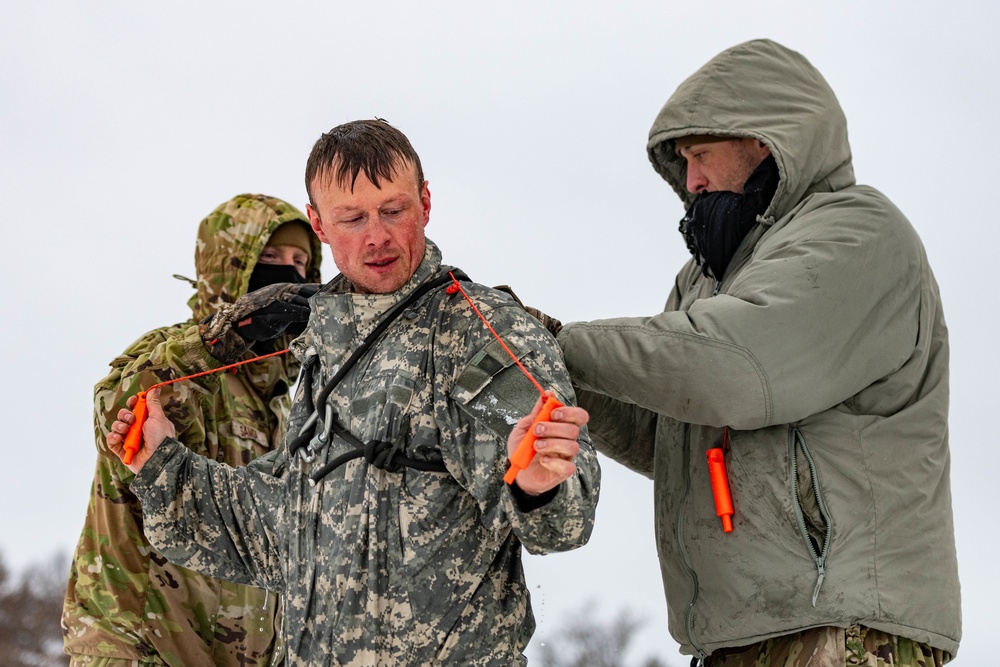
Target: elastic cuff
[526, 502]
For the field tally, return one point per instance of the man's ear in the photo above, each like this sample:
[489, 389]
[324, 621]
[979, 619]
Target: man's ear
[425, 202]
[316, 223]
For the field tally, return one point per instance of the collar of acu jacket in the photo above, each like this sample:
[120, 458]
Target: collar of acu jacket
[765, 91]
[367, 308]
[230, 240]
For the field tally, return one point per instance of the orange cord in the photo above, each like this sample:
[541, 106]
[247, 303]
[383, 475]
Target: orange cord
[519, 460]
[457, 287]
[525, 450]
[134, 436]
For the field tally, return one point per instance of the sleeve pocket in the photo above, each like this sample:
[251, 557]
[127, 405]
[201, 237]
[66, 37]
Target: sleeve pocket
[493, 390]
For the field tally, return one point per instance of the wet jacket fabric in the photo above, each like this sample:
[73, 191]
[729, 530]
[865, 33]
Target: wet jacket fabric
[825, 352]
[125, 600]
[378, 567]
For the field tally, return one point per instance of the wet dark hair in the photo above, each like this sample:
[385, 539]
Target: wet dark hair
[374, 146]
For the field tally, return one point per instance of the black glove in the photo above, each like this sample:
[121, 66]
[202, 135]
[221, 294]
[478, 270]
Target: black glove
[275, 319]
[257, 319]
[552, 324]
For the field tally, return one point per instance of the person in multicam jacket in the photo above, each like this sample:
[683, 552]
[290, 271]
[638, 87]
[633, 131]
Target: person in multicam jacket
[414, 560]
[125, 603]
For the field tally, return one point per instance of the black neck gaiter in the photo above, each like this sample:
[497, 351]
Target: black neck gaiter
[269, 274]
[717, 222]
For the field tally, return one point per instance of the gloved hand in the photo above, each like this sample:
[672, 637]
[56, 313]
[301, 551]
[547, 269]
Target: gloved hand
[552, 324]
[257, 318]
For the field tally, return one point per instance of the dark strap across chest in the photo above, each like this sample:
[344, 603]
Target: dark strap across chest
[383, 455]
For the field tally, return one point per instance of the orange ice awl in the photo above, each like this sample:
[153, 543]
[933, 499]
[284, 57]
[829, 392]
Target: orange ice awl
[134, 436]
[720, 487]
[525, 451]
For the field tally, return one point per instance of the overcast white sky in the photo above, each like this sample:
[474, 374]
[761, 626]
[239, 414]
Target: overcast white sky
[122, 124]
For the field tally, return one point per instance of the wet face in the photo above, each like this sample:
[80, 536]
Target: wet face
[717, 166]
[376, 234]
[285, 255]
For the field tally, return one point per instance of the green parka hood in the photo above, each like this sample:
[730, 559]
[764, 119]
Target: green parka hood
[760, 90]
[230, 240]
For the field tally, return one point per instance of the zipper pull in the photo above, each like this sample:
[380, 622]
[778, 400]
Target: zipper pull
[819, 582]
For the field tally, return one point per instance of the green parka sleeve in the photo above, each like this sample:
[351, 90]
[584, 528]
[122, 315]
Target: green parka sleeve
[623, 431]
[809, 321]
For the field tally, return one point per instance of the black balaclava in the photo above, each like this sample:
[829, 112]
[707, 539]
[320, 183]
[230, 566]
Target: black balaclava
[268, 274]
[717, 222]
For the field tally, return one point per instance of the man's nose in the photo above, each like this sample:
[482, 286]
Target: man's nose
[696, 181]
[378, 233]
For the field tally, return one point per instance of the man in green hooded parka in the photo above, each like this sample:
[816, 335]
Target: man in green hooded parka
[805, 339]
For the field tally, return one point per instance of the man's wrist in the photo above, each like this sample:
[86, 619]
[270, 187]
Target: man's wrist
[527, 502]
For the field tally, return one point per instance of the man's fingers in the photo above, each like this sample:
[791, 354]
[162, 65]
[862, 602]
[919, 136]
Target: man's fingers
[557, 430]
[571, 415]
[559, 466]
[125, 415]
[558, 447]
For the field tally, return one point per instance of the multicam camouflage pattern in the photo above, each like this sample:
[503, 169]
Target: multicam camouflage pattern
[124, 600]
[380, 568]
[91, 661]
[219, 331]
[856, 645]
[230, 240]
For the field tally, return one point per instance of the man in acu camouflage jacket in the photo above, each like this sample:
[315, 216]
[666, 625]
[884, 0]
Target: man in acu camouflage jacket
[126, 604]
[411, 553]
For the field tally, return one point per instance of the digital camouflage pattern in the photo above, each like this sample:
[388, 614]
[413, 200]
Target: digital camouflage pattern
[854, 646]
[124, 600]
[380, 568]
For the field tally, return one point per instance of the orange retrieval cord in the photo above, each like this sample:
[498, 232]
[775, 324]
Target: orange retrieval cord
[134, 436]
[525, 451]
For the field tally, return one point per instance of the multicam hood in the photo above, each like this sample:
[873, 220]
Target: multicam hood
[231, 239]
[760, 90]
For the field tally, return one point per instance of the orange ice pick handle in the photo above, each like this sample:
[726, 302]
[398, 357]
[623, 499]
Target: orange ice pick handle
[720, 487]
[134, 436]
[525, 451]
